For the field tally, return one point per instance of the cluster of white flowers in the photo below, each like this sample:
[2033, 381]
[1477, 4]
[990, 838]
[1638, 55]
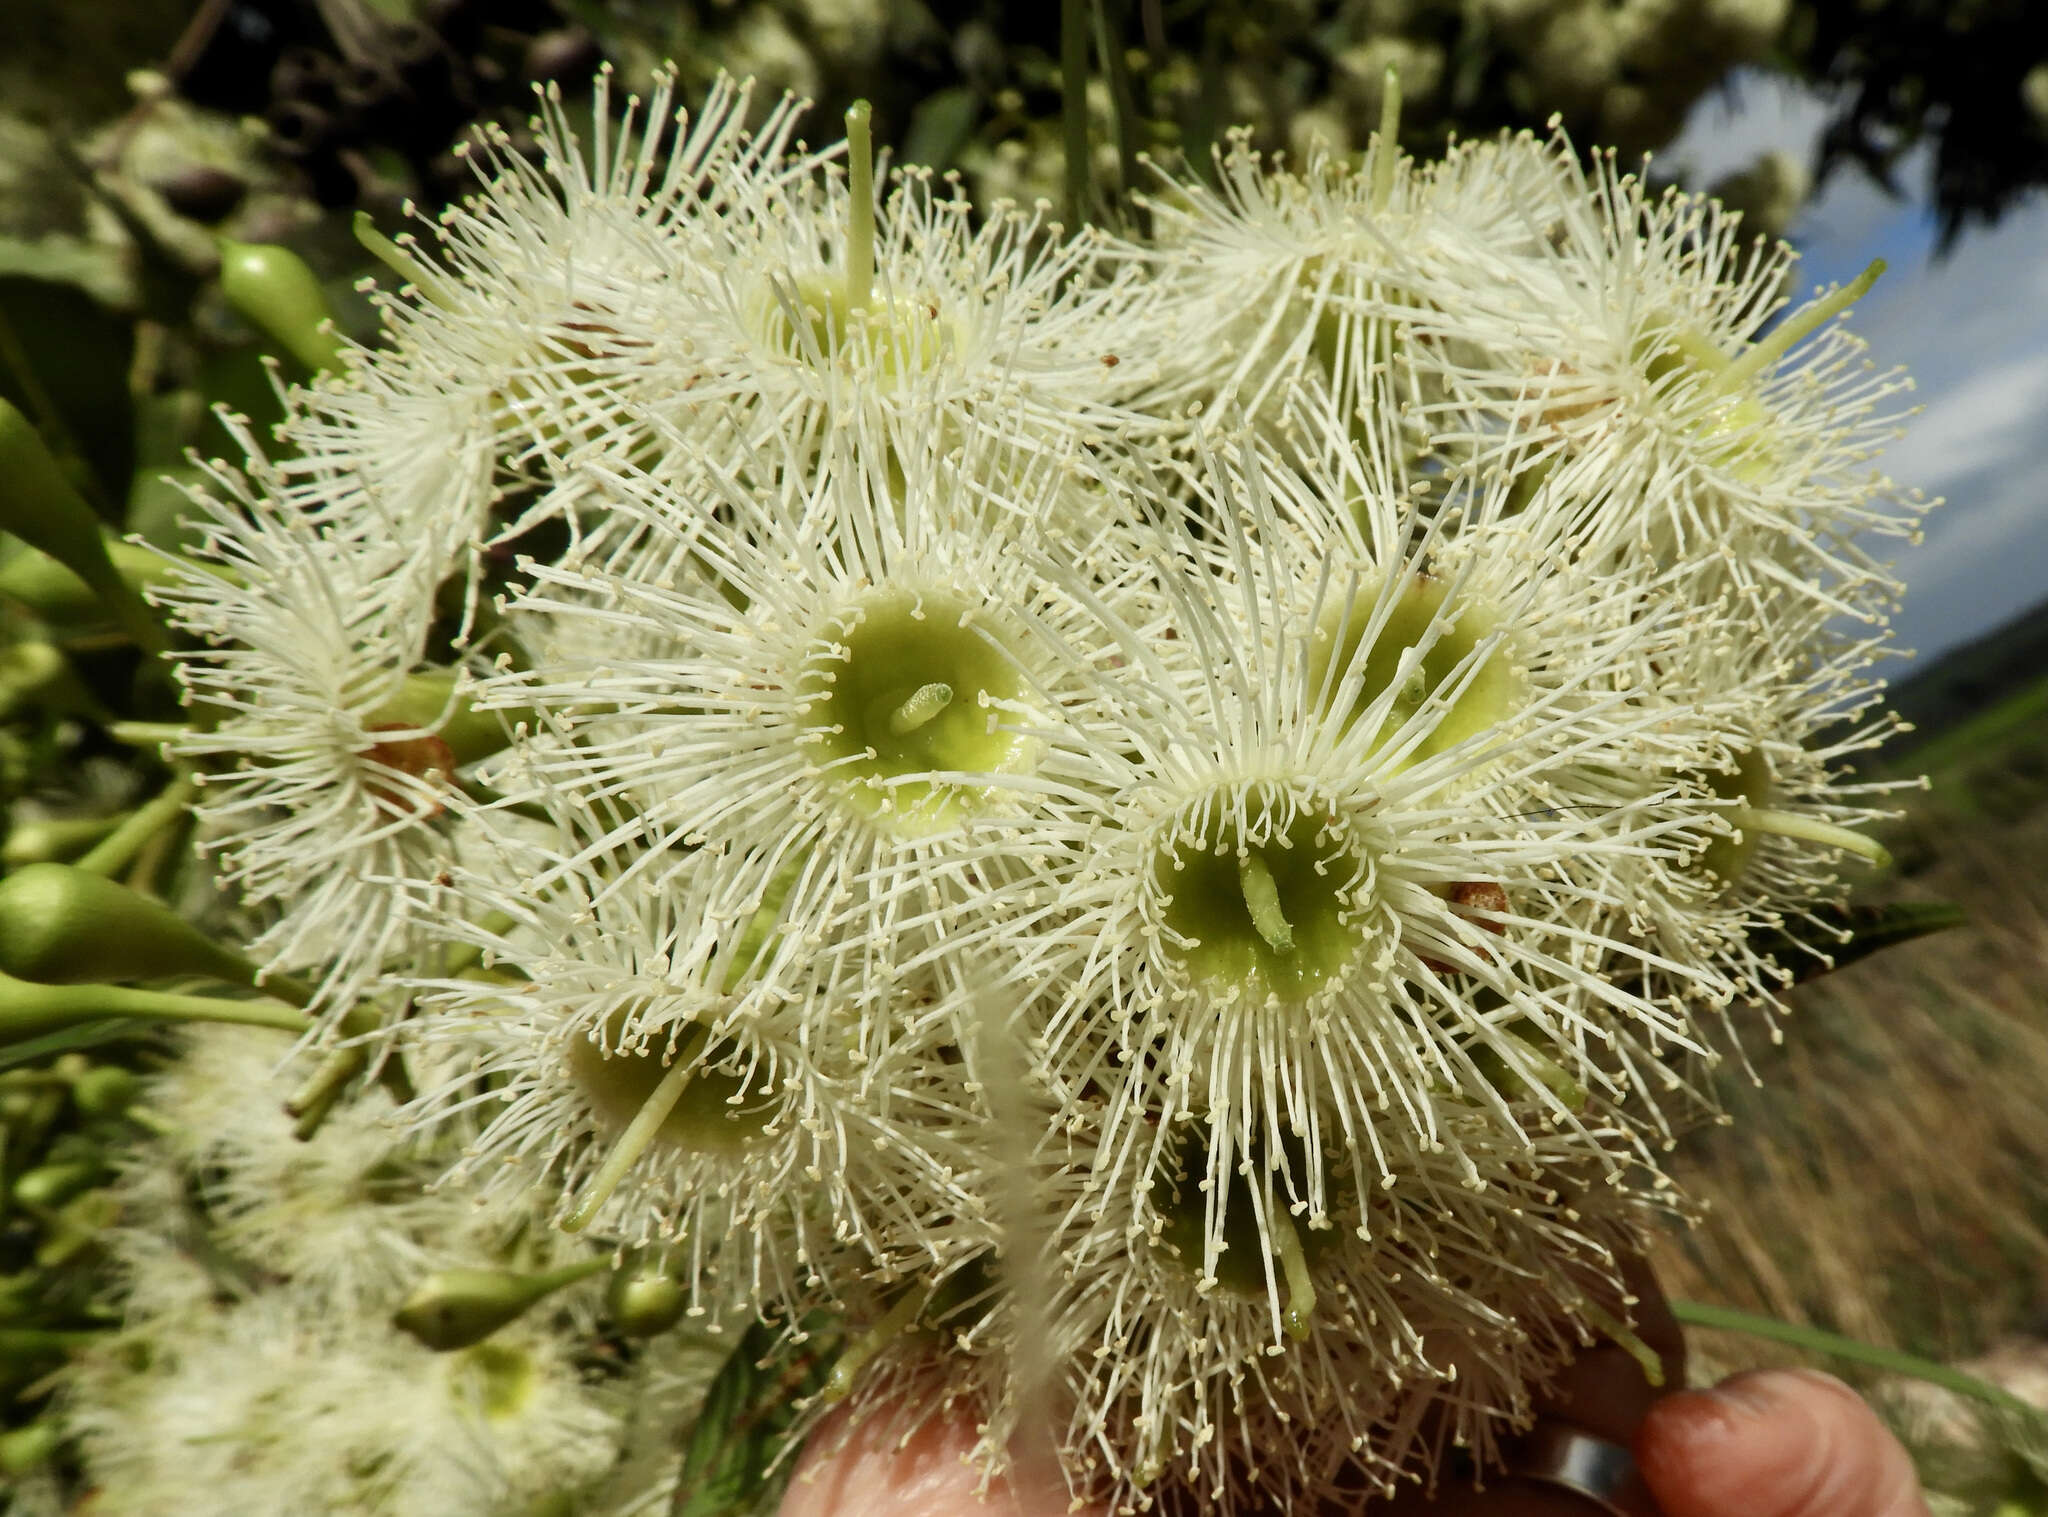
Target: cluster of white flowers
[1166, 823]
[257, 1369]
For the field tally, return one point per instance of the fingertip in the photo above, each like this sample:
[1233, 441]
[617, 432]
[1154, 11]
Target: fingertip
[1775, 1443]
[877, 1464]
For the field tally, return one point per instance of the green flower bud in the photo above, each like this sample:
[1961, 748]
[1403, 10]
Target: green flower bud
[105, 1091]
[45, 842]
[459, 1308]
[49, 1185]
[644, 1299]
[41, 507]
[77, 1226]
[61, 925]
[271, 287]
[28, 1448]
[36, 674]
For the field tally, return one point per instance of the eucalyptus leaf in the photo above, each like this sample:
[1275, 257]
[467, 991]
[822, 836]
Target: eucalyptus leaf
[1864, 930]
[732, 1457]
[70, 1040]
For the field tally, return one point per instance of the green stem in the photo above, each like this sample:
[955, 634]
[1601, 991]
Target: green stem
[28, 1009]
[1122, 101]
[1074, 110]
[1818, 1341]
[1647, 1359]
[112, 853]
[860, 190]
[847, 1367]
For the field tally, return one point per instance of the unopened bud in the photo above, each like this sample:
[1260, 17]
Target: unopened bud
[50, 1185]
[459, 1308]
[105, 1091]
[28, 1448]
[645, 1300]
[61, 925]
[272, 288]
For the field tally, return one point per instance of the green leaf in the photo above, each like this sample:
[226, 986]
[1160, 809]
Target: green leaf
[731, 1457]
[1863, 931]
[70, 1039]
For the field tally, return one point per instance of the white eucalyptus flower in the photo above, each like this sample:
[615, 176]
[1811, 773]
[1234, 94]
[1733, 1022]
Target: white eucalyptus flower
[1637, 350]
[328, 746]
[528, 328]
[1307, 875]
[829, 308]
[657, 1063]
[814, 684]
[1276, 279]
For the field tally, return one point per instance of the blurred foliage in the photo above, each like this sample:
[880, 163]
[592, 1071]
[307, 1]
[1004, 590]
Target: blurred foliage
[1968, 78]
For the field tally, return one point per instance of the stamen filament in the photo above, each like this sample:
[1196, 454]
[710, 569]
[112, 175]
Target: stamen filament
[1386, 146]
[852, 1359]
[1774, 345]
[926, 702]
[860, 186]
[1790, 824]
[1262, 900]
[632, 1143]
[1301, 1289]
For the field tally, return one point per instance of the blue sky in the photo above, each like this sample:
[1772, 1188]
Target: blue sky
[1972, 329]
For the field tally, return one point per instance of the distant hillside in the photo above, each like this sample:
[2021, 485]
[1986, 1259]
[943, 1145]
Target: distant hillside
[1969, 681]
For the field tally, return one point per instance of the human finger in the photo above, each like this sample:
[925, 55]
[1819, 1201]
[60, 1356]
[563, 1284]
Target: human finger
[1775, 1443]
[859, 1467]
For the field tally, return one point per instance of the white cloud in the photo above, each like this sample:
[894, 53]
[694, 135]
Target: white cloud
[1990, 421]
